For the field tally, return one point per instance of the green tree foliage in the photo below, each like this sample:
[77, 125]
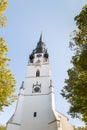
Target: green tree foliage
[81, 128]
[2, 127]
[3, 6]
[75, 90]
[7, 81]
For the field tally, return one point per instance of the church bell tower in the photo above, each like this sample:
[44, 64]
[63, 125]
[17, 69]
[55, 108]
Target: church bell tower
[36, 107]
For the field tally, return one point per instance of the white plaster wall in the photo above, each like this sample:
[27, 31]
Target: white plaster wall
[41, 105]
[16, 117]
[12, 127]
[44, 70]
[53, 126]
[18, 110]
[65, 124]
[31, 78]
[44, 81]
[52, 101]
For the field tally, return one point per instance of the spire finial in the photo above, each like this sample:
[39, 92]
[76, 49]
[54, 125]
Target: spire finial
[41, 37]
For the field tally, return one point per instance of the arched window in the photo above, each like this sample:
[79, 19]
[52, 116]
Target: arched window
[37, 73]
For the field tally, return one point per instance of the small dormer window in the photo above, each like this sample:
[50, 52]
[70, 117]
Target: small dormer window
[37, 73]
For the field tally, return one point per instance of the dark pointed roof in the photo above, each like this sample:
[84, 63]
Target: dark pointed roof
[40, 48]
[40, 37]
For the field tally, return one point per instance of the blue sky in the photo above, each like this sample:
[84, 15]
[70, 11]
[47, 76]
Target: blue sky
[27, 19]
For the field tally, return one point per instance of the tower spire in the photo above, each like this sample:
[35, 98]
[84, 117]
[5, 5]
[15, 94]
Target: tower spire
[40, 37]
[40, 48]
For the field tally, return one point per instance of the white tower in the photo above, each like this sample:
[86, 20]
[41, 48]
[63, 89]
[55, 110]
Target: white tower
[36, 108]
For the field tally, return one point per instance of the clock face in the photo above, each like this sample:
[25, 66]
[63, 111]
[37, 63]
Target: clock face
[36, 89]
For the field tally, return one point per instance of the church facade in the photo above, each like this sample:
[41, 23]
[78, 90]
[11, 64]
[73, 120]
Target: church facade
[35, 108]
